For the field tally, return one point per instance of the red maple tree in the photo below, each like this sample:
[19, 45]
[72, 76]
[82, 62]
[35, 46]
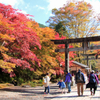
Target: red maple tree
[25, 38]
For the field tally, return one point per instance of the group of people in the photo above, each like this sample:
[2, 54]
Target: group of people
[62, 84]
[79, 80]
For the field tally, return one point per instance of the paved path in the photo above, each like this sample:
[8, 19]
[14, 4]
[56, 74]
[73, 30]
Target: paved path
[30, 93]
[73, 95]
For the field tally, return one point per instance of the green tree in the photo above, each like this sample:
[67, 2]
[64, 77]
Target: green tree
[42, 26]
[60, 29]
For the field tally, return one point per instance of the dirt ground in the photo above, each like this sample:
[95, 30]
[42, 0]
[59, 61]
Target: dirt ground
[37, 93]
[27, 93]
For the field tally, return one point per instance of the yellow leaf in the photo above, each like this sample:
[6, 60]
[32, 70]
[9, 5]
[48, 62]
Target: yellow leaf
[2, 49]
[6, 37]
[7, 65]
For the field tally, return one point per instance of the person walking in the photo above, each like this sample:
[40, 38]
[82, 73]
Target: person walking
[80, 81]
[93, 81]
[68, 79]
[46, 85]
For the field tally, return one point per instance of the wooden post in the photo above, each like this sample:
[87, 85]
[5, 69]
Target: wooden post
[87, 61]
[85, 45]
[66, 57]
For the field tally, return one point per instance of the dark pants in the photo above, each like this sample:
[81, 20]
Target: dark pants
[94, 87]
[47, 88]
[93, 90]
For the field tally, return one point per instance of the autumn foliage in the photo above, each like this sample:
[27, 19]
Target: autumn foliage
[17, 39]
[24, 44]
[75, 19]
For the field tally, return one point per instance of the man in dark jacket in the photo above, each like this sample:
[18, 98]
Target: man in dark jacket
[80, 81]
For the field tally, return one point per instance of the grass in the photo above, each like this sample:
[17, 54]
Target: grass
[33, 83]
[4, 85]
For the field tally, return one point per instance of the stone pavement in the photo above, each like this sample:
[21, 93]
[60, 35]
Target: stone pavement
[36, 93]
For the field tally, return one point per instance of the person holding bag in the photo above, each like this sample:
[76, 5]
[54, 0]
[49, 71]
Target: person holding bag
[93, 81]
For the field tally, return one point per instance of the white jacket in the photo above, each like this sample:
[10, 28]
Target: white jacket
[47, 81]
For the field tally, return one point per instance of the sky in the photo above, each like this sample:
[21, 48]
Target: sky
[42, 9]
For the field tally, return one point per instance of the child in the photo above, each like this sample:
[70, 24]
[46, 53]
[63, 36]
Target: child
[62, 85]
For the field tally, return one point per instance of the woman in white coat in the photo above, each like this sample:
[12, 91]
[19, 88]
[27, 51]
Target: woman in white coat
[46, 85]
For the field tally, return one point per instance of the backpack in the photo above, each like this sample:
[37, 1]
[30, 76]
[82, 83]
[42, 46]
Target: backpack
[92, 78]
[44, 80]
[79, 77]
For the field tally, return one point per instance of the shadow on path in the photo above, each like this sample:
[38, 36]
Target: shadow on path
[75, 96]
[31, 91]
[96, 97]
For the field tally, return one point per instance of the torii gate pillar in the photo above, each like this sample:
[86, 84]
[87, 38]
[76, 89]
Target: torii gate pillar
[66, 57]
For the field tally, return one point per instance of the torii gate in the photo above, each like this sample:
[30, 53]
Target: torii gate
[87, 57]
[85, 46]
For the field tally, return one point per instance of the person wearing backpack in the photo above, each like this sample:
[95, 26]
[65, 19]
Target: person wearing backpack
[93, 81]
[80, 81]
